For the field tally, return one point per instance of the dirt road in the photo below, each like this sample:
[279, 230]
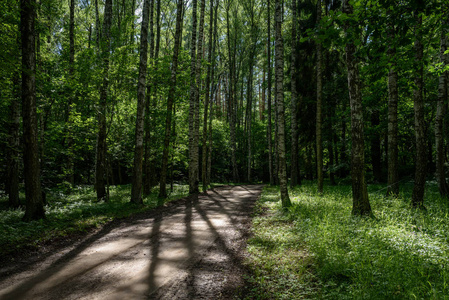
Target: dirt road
[191, 249]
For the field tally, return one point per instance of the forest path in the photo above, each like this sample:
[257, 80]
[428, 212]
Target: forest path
[192, 249]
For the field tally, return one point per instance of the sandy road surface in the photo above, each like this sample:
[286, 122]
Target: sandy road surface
[189, 250]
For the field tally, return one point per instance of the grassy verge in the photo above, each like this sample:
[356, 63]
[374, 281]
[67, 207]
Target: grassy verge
[317, 250]
[71, 213]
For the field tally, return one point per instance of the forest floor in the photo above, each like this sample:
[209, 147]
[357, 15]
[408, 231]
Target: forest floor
[192, 248]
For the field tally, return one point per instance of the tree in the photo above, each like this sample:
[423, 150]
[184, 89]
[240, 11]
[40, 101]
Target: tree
[34, 204]
[207, 100]
[136, 191]
[269, 129]
[193, 152]
[70, 163]
[418, 104]
[360, 205]
[279, 60]
[294, 101]
[105, 45]
[170, 100]
[393, 176]
[319, 107]
[441, 111]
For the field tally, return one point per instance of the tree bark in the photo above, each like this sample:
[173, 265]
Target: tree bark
[393, 175]
[170, 100]
[269, 129]
[439, 117]
[207, 100]
[101, 137]
[361, 205]
[319, 107]
[198, 70]
[279, 48]
[136, 188]
[231, 92]
[418, 104]
[34, 204]
[209, 148]
[294, 102]
[149, 114]
[69, 163]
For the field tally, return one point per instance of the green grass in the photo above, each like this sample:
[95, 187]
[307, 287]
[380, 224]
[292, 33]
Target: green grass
[71, 213]
[317, 250]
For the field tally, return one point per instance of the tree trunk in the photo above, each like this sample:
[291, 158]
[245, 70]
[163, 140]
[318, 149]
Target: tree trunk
[209, 148]
[361, 205]
[418, 104]
[319, 107]
[269, 129]
[69, 163]
[136, 189]
[101, 138]
[197, 95]
[439, 117]
[294, 102]
[280, 105]
[34, 204]
[170, 100]
[393, 175]
[231, 100]
[149, 114]
[207, 100]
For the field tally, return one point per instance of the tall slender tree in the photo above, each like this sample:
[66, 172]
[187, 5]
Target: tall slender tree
[199, 57]
[136, 190]
[207, 99]
[294, 101]
[34, 204]
[360, 204]
[105, 45]
[193, 151]
[279, 69]
[441, 111]
[269, 125]
[70, 164]
[393, 174]
[418, 104]
[170, 100]
[319, 106]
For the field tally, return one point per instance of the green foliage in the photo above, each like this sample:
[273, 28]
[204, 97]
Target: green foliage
[71, 210]
[400, 254]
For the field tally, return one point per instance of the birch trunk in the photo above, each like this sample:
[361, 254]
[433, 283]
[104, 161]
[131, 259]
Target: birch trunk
[418, 104]
[207, 100]
[279, 48]
[198, 71]
[170, 100]
[294, 102]
[439, 117]
[361, 205]
[136, 188]
[393, 175]
[193, 185]
[319, 107]
[269, 126]
[70, 163]
[101, 137]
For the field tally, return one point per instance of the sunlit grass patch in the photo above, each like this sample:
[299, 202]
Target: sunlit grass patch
[400, 253]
